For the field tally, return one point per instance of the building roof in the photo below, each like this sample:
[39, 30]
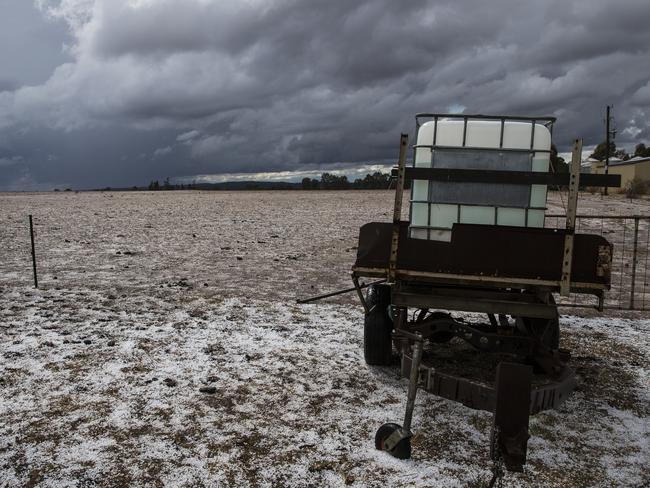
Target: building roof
[638, 159]
[635, 160]
[620, 162]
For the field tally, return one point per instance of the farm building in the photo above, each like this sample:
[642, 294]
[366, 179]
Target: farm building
[632, 168]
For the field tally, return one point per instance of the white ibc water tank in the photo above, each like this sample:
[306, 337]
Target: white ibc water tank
[504, 145]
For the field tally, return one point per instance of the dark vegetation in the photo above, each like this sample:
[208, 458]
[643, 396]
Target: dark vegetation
[327, 181]
[636, 187]
[600, 153]
[558, 164]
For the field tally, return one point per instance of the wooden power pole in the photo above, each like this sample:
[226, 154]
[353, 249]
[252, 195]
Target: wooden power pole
[607, 144]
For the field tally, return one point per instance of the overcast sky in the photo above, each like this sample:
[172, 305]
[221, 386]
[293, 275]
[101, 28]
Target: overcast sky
[100, 93]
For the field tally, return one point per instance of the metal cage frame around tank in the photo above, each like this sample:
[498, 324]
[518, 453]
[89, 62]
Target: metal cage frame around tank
[573, 180]
[502, 119]
[545, 121]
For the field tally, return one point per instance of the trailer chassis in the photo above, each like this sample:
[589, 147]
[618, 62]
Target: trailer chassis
[511, 396]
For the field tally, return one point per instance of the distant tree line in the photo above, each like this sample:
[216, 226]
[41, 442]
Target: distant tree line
[155, 185]
[328, 181]
[600, 153]
[641, 151]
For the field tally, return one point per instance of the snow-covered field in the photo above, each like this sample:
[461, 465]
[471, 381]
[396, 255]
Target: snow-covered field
[148, 298]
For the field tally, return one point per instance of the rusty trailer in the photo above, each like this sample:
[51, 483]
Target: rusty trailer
[509, 273]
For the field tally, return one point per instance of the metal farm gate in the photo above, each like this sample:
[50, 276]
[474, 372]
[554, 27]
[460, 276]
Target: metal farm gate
[630, 236]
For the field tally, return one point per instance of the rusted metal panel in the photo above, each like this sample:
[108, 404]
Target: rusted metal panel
[471, 394]
[487, 252]
[552, 395]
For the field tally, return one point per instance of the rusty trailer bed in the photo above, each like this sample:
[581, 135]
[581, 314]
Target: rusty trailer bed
[486, 256]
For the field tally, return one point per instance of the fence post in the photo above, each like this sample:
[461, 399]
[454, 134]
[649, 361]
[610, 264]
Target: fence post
[634, 260]
[31, 234]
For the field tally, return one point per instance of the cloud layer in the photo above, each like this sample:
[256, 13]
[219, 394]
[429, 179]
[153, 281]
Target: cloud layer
[158, 88]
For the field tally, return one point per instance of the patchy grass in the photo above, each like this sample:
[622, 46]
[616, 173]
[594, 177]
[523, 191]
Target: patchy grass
[102, 367]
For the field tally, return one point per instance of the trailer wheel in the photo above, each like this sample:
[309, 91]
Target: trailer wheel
[377, 327]
[402, 449]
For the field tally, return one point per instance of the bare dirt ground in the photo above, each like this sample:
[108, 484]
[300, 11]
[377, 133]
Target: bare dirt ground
[146, 298]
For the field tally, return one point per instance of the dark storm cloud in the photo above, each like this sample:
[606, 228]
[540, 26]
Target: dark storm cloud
[168, 88]
[30, 48]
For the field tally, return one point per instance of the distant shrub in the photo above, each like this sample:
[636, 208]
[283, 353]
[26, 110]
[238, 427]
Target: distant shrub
[636, 187]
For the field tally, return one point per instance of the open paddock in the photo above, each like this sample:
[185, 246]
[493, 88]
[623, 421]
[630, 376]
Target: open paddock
[146, 298]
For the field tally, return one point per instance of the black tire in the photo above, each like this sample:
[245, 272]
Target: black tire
[403, 448]
[377, 327]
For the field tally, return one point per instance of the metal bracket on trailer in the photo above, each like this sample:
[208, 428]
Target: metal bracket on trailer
[480, 396]
[488, 301]
[505, 177]
[357, 287]
[397, 210]
[572, 207]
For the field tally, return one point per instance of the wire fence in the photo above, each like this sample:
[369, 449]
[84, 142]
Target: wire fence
[630, 236]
